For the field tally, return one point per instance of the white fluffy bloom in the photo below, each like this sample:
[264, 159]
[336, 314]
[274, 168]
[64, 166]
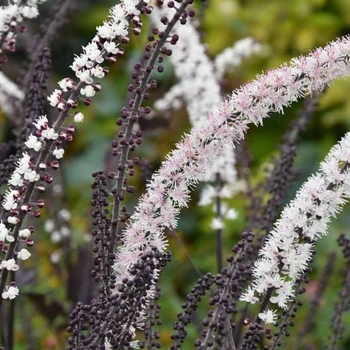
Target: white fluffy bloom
[79, 62]
[31, 176]
[249, 297]
[23, 165]
[105, 31]
[97, 72]
[64, 214]
[79, 117]
[233, 56]
[10, 293]
[10, 200]
[285, 254]
[111, 47]
[40, 122]
[55, 98]
[33, 143]
[268, 316]
[92, 51]
[23, 254]
[13, 220]
[49, 134]
[9, 89]
[16, 180]
[187, 162]
[88, 91]
[84, 75]
[58, 153]
[4, 233]
[29, 12]
[197, 84]
[9, 265]
[25, 233]
[66, 84]
[217, 224]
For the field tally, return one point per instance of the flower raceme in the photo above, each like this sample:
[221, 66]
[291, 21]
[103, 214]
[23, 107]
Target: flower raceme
[288, 248]
[47, 140]
[169, 189]
[199, 86]
[10, 16]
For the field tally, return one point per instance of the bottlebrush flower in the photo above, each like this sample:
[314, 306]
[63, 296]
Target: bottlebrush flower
[17, 12]
[288, 248]
[269, 93]
[199, 87]
[86, 67]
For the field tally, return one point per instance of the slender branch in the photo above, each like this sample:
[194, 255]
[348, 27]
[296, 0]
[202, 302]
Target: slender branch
[139, 97]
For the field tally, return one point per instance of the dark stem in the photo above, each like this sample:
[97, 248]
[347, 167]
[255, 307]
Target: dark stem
[11, 320]
[218, 213]
[116, 224]
[29, 192]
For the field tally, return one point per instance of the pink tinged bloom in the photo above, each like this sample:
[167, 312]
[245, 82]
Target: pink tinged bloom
[284, 86]
[55, 98]
[10, 293]
[9, 265]
[41, 122]
[179, 195]
[66, 84]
